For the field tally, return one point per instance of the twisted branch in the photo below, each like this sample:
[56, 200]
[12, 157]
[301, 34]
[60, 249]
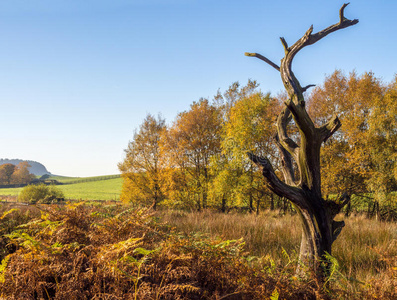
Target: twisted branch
[286, 163]
[287, 143]
[294, 194]
[307, 153]
[327, 130]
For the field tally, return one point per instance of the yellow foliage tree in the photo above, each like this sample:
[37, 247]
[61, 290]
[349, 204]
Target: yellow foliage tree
[21, 174]
[361, 157]
[190, 143]
[248, 128]
[143, 167]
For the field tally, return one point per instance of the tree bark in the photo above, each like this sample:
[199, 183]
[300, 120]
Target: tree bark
[316, 214]
[223, 207]
[271, 202]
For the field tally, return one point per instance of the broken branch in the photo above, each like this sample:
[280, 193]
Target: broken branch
[257, 55]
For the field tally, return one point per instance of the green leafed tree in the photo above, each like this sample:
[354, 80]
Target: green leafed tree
[143, 167]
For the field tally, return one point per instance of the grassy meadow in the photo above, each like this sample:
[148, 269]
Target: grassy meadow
[108, 189]
[82, 188]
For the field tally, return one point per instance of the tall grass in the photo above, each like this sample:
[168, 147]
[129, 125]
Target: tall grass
[363, 246]
[264, 234]
[360, 249]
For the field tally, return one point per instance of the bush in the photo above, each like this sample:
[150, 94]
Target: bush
[41, 194]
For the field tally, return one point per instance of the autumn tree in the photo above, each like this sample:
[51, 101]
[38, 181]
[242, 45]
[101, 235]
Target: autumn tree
[346, 156]
[380, 137]
[360, 158]
[382, 134]
[6, 172]
[320, 229]
[142, 169]
[190, 142]
[248, 127]
[21, 174]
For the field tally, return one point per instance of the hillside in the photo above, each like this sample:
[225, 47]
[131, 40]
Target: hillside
[86, 188]
[36, 168]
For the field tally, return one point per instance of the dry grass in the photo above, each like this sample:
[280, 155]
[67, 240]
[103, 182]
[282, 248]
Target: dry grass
[84, 251]
[366, 250]
[115, 252]
[264, 234]
[362, 244]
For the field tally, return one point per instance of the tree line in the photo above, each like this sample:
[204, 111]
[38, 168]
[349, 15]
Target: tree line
[200, 159]
[11, 174]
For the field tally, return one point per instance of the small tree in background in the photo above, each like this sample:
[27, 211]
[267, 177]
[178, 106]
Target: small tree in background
[6, 172]
[21, 174]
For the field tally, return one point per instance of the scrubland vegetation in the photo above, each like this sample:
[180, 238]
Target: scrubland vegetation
[199, 163]
[107, 251]
[41, 194]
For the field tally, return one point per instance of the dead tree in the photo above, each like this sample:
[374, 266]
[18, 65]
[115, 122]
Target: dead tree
[304, 192]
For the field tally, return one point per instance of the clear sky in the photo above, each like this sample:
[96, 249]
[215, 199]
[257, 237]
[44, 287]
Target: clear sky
[78, 76]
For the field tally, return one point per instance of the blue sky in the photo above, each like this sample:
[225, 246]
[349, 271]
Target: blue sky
[77, 77]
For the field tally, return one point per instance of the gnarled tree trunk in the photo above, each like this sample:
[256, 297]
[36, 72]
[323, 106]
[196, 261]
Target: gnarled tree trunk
[316, 214]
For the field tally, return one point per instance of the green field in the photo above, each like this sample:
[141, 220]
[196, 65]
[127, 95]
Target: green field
[84, 188]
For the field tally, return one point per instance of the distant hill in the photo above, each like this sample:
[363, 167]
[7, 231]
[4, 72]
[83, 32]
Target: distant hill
[36, 168]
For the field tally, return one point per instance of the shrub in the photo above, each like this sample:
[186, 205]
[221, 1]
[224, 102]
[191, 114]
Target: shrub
[41, 194]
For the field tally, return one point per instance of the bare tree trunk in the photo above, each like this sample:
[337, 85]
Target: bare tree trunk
[223, 207]
[258, 202]
[316, 214]
[271, 201]
[251, 202]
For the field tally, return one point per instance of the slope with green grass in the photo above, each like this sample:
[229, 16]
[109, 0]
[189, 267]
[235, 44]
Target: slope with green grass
[108, 189]
[84, 188]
